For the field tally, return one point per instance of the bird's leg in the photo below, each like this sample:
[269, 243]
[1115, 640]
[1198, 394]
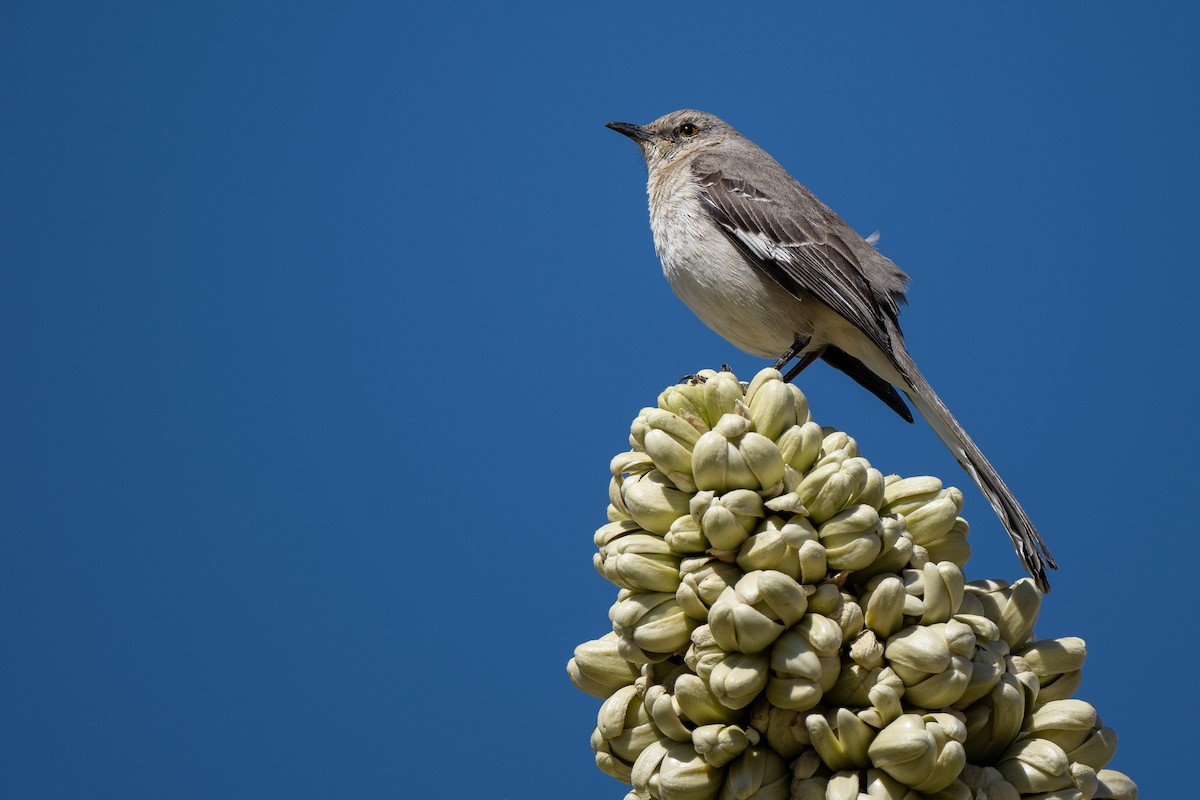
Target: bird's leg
[799, 350]
[796, 349]
[802, 362]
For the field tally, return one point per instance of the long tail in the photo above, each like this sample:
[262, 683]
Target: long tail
[1025, 538]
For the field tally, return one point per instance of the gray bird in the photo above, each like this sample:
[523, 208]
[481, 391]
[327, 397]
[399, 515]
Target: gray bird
[775, 271]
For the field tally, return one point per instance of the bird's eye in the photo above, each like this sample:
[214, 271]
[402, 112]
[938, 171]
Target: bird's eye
[688, 129]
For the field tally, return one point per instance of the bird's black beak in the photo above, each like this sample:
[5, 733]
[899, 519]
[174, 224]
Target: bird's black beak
[635, 132]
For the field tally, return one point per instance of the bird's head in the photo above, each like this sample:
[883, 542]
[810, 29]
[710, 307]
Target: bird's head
[675, 135]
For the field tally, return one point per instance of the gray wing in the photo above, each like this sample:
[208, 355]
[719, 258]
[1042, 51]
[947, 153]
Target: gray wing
[803, 246]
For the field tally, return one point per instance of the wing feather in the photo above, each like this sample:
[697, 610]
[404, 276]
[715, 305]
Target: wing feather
[802, 246]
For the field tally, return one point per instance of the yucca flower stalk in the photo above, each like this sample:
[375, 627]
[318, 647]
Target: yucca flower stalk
[793, 623]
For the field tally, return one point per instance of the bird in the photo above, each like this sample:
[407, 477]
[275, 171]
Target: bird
[773, 270]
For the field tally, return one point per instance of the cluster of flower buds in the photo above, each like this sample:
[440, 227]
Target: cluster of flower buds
[792, 623]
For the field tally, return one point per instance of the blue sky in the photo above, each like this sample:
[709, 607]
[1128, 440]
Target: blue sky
[320, 324]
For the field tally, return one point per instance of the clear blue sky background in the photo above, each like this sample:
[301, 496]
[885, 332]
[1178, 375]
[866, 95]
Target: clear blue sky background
[319, 324]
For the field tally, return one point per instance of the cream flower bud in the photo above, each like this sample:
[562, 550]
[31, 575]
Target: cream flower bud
[1014, 608]
[599, 669]
[934, 661]
[1067, 723]
[685, 400]
[704, 653]
[951, 546]
[883, 605]
[651, 500]
[896, 550]
[639, 561]
[722, 395]
[735, 679]
[738, 678]
[694, 700]
[987, 782]
[790, 546]
[994, 721]
[878, 785]
[855, 683]
[804, 663]
[840, 738]
[906, 495]
[767, 548]
[614, 530]
[727, 520]
[836, 446]
[682, 429]
[720, 744]
[757, 774]
[675, 771]
[702, 580]
[940, 588]
[816, 789]
[866, 650]
[671, 456]
[924, 752]
[799, 446]
[1114, 786]
[987, 667]
[650, 626]
[732, 456]
[1036, 765]
[851, 538]
[839, 606]
[750, 615]
[623, 730]
[684, 536]
[667, 716]
[1097, 750]
[829, 488]
[773, 406]
[784, 731]
[1057, 664]
[934, 518]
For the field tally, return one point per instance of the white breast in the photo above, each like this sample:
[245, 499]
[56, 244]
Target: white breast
[712, 277]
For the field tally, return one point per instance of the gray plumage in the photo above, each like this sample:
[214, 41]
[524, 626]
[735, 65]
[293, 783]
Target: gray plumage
[772, 269]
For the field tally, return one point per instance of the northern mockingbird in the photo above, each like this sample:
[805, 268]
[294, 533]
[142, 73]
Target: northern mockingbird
[771, 268]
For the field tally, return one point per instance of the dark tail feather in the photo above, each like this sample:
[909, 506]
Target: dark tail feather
[1028, 543]
[844, 362]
